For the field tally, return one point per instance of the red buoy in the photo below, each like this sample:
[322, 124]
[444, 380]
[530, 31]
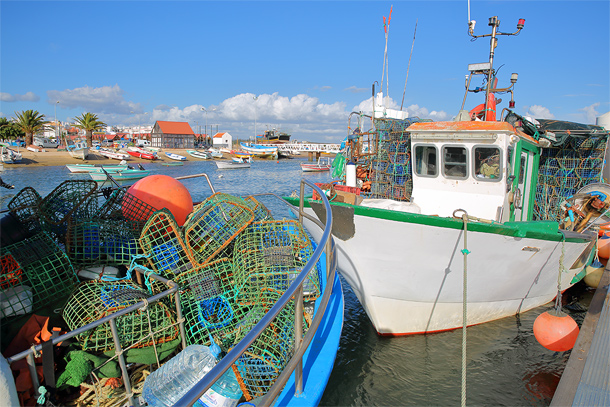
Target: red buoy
[556, 331]
[162, 191]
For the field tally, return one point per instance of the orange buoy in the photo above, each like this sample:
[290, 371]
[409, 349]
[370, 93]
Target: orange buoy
[162, 191]
[603, 247]
[556, 331]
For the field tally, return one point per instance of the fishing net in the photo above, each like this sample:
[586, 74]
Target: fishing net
[564, 170]
[269, 255]
[213, 224]
[35, 273]
[93, 300]
[161, 240]
[103, 241]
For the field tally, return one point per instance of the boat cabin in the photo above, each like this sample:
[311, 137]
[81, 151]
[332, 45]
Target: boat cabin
[488, 169]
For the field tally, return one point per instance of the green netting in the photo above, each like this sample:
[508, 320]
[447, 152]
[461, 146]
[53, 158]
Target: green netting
[25, 207]
[161, 240]
[269, 255]
[93, 300]
[123, 206]
[208, 304]
[565, 169]
[110, 242]
[261, 212]
[261, 364]
[35, 272]
[213, 224]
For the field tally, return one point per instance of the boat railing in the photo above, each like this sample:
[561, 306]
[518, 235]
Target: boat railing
[295, 364]
[34, 351]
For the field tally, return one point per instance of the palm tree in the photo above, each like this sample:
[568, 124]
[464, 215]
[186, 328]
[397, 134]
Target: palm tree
[30, 122]
[9, 130]
[90, 123]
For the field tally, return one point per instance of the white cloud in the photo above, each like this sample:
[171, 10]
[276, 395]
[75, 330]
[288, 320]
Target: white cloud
[538, 112]
[28, 97]
[590, 113]
[354, 89]
[106, 100]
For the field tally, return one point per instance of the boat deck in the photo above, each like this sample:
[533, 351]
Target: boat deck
[586, 378]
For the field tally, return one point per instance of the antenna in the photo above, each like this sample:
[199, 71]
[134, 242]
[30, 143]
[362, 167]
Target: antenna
[409, 65]
[386, 29]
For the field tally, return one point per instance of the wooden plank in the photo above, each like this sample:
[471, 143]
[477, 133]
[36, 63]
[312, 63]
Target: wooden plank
[573, 372]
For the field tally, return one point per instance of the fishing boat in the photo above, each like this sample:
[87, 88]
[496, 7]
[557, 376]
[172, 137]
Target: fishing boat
[215, 153]
[81, 168]
[234, 163]
[78, 150]
[115, 155]
[174, 156]
[440, 225]
[260, 151]
[128, 174]
[323, 164]
[259, 291]
[273, 136]
[9, 156]
[203, 155]
[142, 153]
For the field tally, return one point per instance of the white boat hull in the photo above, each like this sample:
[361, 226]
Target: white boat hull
[413, 281]
[225, 165]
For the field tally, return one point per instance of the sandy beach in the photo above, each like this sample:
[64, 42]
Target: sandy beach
[52, 157]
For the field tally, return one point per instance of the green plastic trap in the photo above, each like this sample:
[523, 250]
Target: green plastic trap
[93, 300]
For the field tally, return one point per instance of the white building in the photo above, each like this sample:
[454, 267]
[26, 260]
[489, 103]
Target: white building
[222, 140]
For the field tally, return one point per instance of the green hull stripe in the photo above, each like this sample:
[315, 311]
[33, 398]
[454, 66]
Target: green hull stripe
[542, 230]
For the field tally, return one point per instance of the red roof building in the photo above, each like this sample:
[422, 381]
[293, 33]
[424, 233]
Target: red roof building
[172, 135]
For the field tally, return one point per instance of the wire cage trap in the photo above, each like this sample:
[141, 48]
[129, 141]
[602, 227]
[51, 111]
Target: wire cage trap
[161, 240]
[214, 224]
[102, 241]
[269, 255]
[92, 300]
[35, 272]
[261, 364]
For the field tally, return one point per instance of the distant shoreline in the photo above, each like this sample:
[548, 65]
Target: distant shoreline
[52, 157]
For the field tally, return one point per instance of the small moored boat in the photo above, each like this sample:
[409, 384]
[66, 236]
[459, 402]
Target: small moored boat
[78, 150]
[115, 155]
[174, 156]
[235, 163]
[123, 175]
[204, 155]
[81, 168]
[323, 164]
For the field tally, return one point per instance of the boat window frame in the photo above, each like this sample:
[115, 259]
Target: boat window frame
[474, 163]
[415, 166]
[466, 164]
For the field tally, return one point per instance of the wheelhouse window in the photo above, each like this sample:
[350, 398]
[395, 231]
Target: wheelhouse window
[455, 162]
[426, 163]
[487, 163]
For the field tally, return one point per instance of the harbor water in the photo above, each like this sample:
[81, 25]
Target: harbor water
[505, 364]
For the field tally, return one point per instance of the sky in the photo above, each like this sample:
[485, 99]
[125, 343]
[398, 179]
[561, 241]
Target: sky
[298, 66]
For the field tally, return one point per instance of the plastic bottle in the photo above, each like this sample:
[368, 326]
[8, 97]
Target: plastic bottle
[166, 385]
[224, 393]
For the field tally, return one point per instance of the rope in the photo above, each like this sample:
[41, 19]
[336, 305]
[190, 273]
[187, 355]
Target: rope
[561, 270]
[465, 252]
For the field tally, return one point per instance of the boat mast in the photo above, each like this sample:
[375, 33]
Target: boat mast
[494, 23]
